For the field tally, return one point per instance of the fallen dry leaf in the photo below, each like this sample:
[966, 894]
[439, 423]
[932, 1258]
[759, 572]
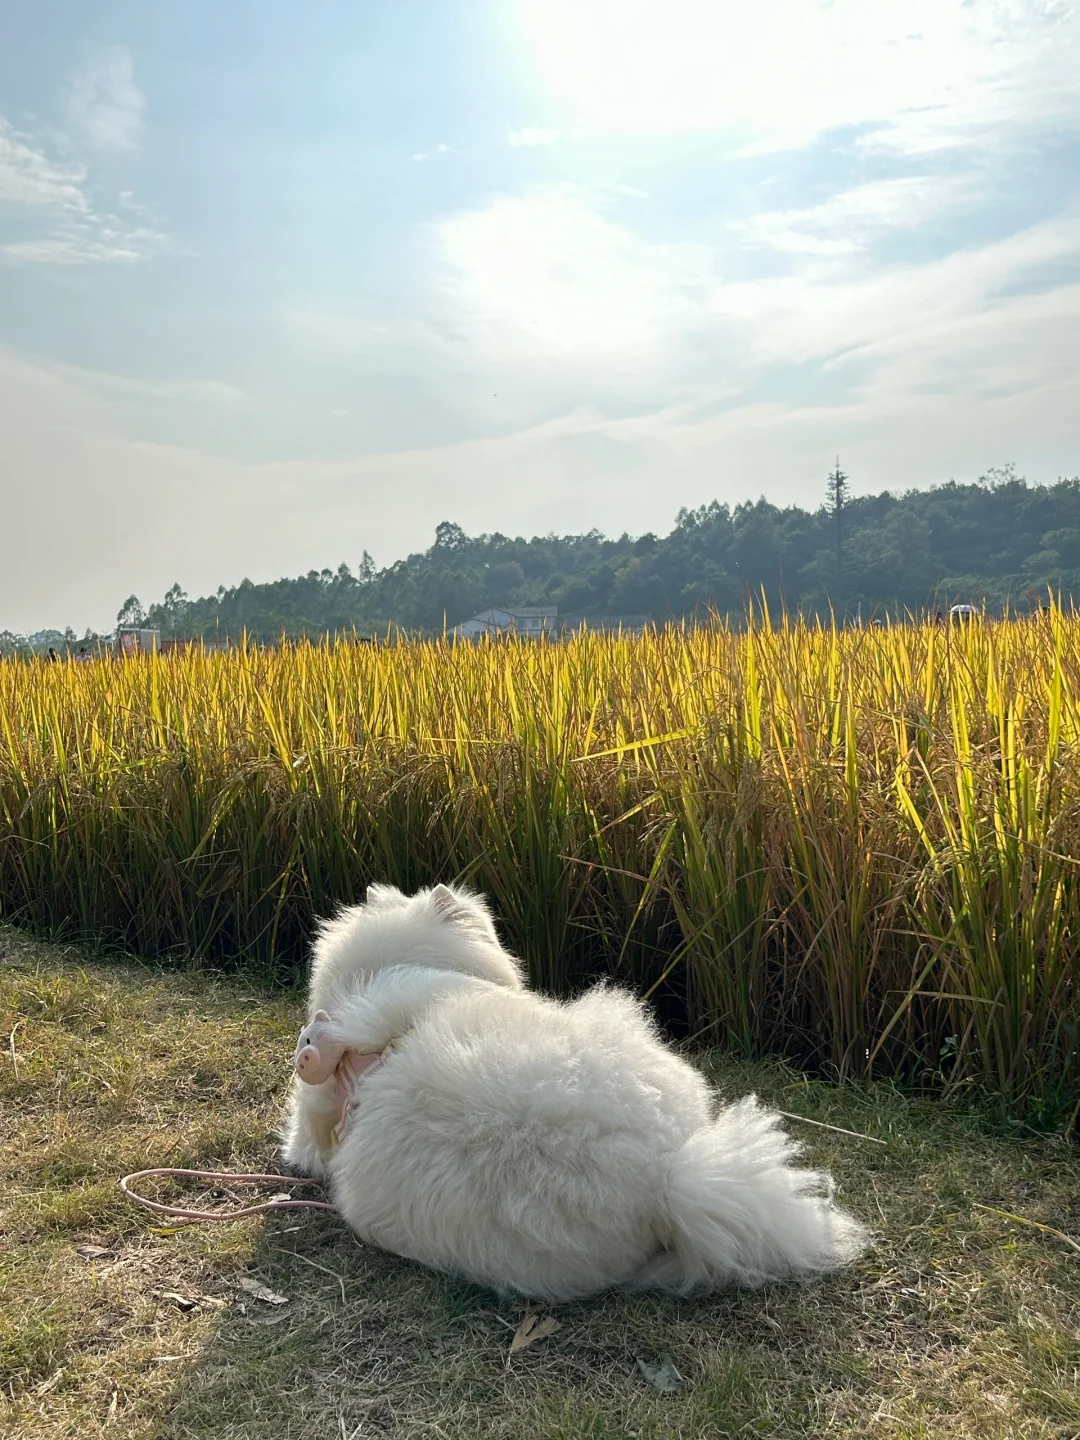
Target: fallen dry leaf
[182, 1302]
[663, 1376]
[259, 1291]
[533, 1327]
[93, 1252]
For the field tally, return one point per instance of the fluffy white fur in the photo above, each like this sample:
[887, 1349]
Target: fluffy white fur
[545, 1148]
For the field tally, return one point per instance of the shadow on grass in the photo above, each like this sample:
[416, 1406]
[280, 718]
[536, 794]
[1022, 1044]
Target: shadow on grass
[961, 1322]
[369, 1345]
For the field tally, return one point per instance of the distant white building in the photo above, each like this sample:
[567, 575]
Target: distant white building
[530, 621]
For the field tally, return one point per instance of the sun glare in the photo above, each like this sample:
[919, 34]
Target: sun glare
[773, 73]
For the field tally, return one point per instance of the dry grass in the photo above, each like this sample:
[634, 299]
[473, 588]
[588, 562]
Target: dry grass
[960, 1323]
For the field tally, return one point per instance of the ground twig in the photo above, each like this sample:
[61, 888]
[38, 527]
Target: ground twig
[836, 1129]
[1031, 1224]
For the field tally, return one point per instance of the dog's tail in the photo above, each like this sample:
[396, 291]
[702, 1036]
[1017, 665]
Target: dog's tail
[737, 1211]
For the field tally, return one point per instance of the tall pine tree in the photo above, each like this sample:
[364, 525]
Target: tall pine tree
[837, 499]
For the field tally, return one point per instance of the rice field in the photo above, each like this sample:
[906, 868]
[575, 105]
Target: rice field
[857, 848]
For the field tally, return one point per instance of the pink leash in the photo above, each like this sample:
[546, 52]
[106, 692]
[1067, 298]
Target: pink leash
[180, 1214]
[347, 1066]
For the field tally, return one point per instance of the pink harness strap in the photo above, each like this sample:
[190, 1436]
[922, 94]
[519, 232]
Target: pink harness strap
[351, 1070]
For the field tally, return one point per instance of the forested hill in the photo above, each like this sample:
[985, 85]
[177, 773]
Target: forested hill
[999, 540]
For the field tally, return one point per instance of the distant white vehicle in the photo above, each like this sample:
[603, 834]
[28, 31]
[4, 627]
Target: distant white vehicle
[960, 613]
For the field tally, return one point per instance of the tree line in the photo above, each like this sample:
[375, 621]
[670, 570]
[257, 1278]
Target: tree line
[1000, 542]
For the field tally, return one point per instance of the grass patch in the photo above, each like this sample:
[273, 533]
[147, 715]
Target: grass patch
[961, 1323]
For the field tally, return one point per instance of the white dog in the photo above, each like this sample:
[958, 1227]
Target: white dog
[549, 1149]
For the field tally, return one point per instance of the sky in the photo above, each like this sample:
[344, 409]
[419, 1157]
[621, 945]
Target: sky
[280, 284]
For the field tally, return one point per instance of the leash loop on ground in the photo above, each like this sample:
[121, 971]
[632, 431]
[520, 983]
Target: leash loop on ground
[179, 1213]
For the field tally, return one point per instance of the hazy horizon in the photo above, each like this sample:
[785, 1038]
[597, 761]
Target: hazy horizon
[277, 287]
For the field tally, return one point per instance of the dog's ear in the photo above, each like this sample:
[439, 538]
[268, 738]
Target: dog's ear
[459, 907]
[469, 914]
[447, 905]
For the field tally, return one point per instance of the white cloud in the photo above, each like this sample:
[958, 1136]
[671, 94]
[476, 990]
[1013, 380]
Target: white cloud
[568, 307]
[53, 198]
[853, 219]
[533, 135]
[541, 302]
[105, 105]
[547, 289]
[827, 314]
[30, 179]
[926, 74]
[84, 245]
